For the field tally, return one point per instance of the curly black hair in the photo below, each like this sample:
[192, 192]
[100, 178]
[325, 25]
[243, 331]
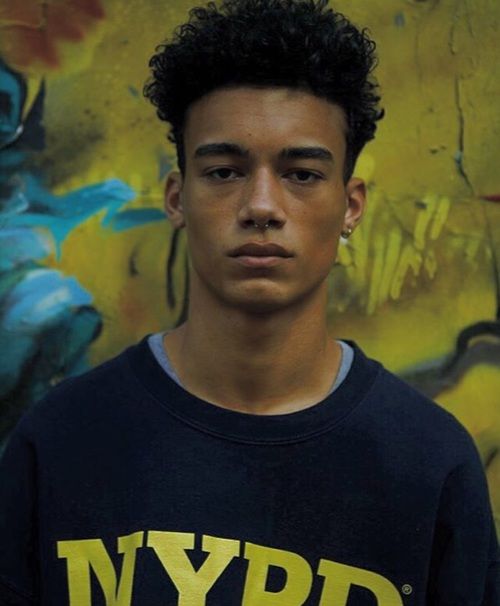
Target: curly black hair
[293, 43]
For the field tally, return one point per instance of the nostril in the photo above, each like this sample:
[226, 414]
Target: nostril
[262, 224]
[273, 223]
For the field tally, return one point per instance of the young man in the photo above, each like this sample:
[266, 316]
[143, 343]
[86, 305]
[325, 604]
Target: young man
[246, 457]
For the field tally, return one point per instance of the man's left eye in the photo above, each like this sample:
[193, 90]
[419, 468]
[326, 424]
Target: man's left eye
[304, 176]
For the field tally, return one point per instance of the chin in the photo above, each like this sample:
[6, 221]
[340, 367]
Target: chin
[257, 299]
[267, 299]
[259, 307]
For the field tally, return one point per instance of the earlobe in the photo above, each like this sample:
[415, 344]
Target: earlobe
[355, 203]
[173, 199]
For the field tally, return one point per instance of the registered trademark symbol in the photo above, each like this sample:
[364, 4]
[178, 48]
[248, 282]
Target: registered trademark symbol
[407, 589]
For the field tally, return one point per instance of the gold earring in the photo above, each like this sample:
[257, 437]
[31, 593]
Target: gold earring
[346, 232]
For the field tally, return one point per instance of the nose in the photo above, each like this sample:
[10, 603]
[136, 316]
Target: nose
[262, 202]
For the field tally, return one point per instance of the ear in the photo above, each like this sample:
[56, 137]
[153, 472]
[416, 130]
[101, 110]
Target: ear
[355, 202]
[173, 199]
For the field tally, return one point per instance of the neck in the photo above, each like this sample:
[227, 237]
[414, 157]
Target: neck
[266, 363]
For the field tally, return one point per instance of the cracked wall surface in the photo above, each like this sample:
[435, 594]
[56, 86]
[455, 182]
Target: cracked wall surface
[418, 284]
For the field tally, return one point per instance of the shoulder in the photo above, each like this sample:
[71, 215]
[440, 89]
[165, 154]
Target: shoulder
[413, 424]
[82, 400]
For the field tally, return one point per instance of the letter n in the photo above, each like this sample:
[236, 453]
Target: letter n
[81, 555]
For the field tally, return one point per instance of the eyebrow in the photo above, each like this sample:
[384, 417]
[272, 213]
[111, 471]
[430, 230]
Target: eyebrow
[289, 153]
[220, 149]
[307, 153]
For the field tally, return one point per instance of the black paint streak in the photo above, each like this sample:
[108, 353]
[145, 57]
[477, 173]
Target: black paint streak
[459, 156]
[490, 457]
[185, 302]
[172, 256]
[132, 263]
[476, 344]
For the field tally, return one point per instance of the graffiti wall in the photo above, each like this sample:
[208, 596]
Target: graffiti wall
[88, 263]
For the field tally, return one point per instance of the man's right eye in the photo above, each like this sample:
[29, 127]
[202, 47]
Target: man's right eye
[222, 174]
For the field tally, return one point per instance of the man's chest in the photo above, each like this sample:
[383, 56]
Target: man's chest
[230, 530]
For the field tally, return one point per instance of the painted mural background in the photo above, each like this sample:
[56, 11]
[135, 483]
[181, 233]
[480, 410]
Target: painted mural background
[87, 260]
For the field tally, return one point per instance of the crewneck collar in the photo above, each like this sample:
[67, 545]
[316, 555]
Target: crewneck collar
[252, 428]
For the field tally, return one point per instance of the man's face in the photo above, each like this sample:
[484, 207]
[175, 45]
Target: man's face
[263, 167]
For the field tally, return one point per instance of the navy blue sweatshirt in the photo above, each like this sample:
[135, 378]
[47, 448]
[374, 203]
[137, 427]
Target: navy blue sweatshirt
[122, 489]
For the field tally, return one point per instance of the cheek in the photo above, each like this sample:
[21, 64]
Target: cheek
[323, 236]
[205, 215]
[327, 226]
[206, 234]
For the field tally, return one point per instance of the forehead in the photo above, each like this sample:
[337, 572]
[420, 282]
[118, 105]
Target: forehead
[265, 120]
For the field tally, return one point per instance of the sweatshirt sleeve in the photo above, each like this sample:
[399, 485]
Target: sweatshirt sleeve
[465, 561]
[18, 577]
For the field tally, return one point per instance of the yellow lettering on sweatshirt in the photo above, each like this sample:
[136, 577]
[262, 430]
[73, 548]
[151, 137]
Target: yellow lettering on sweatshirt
[82, 555]
[298, 577]
[339, 578]
[192, 585]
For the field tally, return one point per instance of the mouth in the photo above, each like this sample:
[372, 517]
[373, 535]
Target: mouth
[256, 249]
[260, 255]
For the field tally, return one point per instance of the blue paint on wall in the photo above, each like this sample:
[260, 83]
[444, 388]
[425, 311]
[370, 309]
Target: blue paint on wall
[47, 320]
[19, 246]
[135, 217]
[399, 20]
[61, 214]
[133, 91]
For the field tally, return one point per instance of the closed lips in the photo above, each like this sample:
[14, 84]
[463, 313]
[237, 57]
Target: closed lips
[260, 250]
